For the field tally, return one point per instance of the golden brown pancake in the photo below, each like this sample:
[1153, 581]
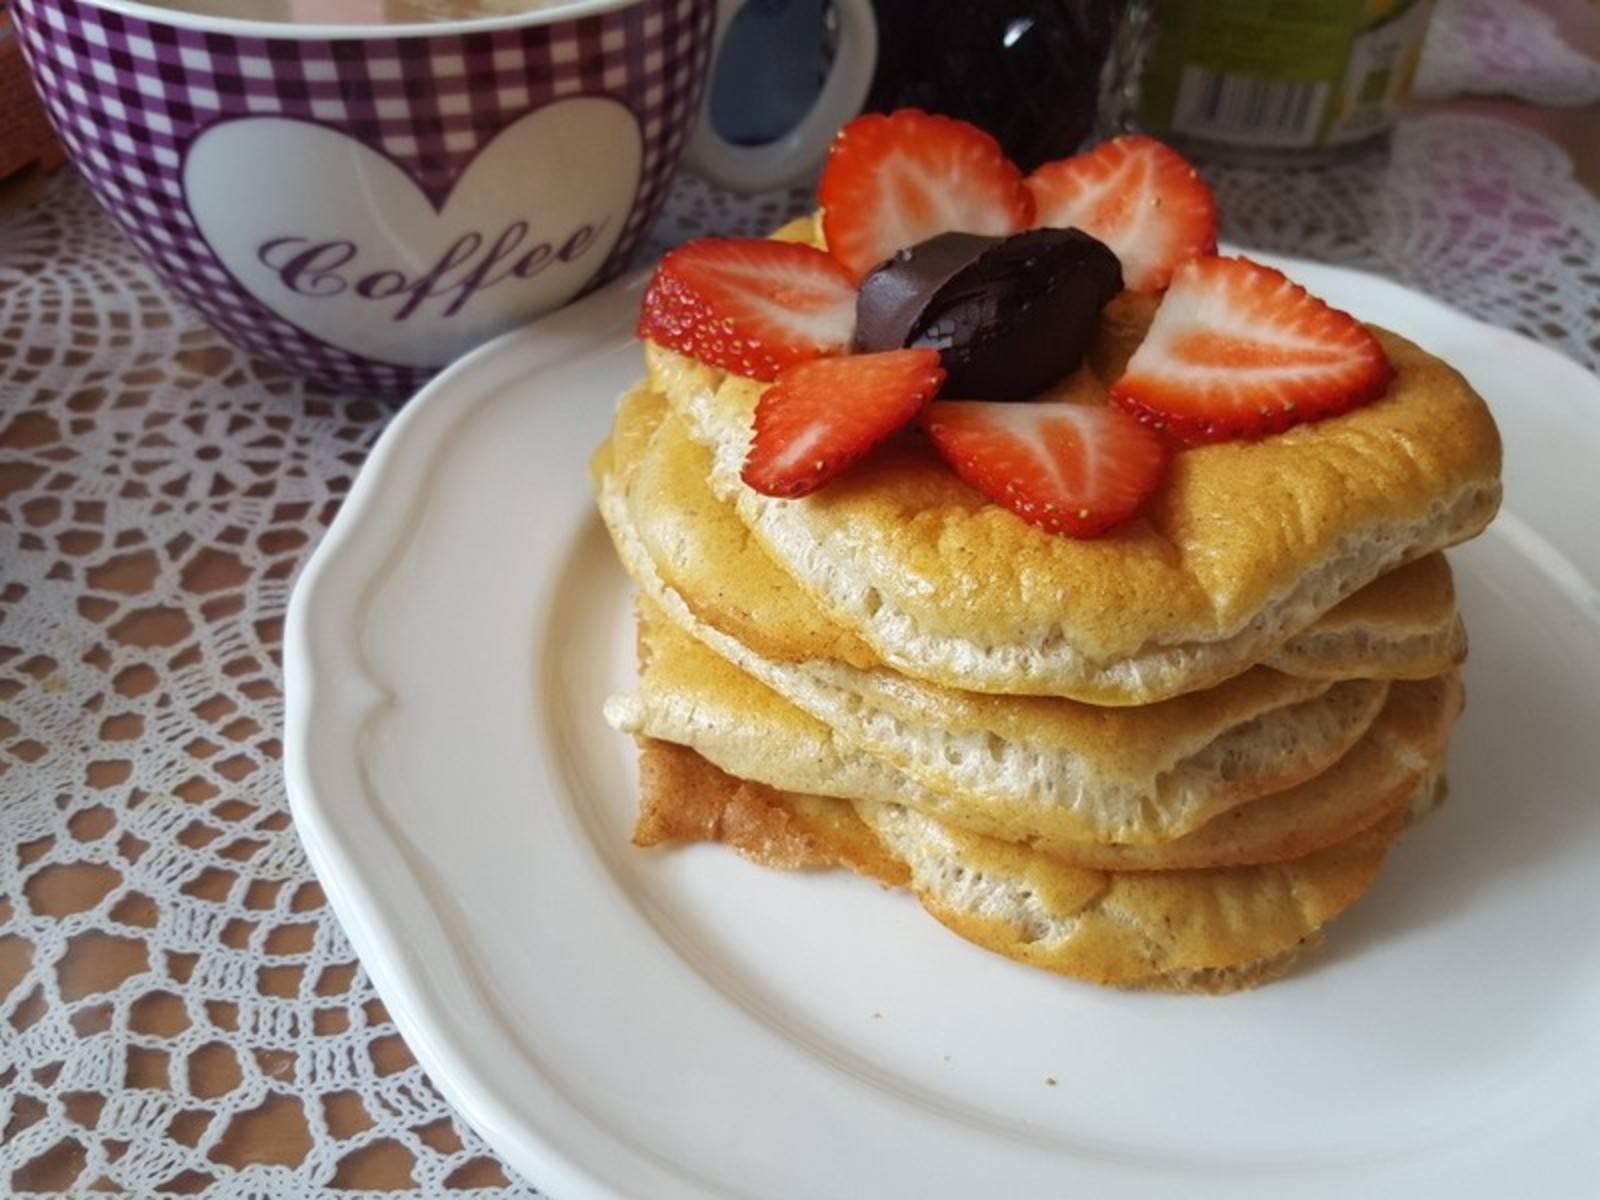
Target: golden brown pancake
[1244, 545]
[1402, 625]
[1215, 930]
[690, 696]
[683, 798]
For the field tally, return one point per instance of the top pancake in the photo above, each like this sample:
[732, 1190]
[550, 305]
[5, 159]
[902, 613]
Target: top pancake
[1402, 625]
[1244, 544]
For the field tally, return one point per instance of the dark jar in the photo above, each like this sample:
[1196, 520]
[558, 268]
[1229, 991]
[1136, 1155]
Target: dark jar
[1025, 70]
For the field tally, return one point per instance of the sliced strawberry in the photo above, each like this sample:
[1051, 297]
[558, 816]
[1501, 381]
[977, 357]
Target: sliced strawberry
[1076, 469]
[749, 305]
[893, 181]
[824, 415]
[1137, 196]
[1237, 350]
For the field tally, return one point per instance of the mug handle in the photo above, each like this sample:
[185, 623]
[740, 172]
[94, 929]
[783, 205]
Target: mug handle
[792, 157]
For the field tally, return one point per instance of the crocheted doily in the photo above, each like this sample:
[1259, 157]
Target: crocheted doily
[178, 1007]
[1505, 48]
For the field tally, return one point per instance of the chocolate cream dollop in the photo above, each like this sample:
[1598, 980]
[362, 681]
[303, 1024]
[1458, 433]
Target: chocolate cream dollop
[1008, 315]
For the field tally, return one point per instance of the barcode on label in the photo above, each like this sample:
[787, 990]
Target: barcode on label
[1248, 108]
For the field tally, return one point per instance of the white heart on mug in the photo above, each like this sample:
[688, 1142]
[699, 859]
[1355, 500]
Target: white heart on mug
[357, 255]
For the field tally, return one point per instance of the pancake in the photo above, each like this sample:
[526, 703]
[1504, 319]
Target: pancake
[1406, 621]
[684, 798]
[653, 477]
[690, 696]
[1244, 545]
[1403, 625]
[1213, 930]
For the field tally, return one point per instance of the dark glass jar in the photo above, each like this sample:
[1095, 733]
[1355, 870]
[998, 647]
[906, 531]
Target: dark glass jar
[1028, 71]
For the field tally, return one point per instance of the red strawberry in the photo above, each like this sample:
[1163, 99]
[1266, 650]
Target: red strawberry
[1076, 469]
[1137, 196]
[821, 416]
[1236, 350]
[893, 181]
[749, 305]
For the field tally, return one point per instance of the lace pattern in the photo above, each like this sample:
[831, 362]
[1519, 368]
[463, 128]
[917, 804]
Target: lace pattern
[1504, 48]
[178, 1008]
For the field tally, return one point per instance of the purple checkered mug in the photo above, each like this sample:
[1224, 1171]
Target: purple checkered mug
[362, 203]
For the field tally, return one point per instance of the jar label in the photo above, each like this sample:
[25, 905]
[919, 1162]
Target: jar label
[1293, 75]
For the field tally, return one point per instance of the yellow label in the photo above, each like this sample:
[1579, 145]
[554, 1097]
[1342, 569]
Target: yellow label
[1285, 73]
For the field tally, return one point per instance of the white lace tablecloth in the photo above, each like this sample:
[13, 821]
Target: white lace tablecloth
[1508, 48]
[177, 1005]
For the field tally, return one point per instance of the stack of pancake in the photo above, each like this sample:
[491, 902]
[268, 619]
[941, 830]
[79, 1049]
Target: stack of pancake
[1162, 758]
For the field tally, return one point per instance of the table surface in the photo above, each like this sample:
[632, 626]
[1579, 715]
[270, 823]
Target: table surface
[177, 1006]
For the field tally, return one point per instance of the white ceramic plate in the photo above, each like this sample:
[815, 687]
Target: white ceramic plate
[664, 1024]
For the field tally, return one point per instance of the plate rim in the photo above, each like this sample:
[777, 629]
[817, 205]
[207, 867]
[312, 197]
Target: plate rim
[371, 528]
[403, 455]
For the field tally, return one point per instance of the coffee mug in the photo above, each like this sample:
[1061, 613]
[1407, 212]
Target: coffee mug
[361, 204]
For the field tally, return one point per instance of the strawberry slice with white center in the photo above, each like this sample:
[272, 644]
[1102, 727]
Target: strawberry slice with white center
[1238, 350]
[1075, 469]
[749, 305]
[893, 181]
[822, 416]
[1138, 196]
